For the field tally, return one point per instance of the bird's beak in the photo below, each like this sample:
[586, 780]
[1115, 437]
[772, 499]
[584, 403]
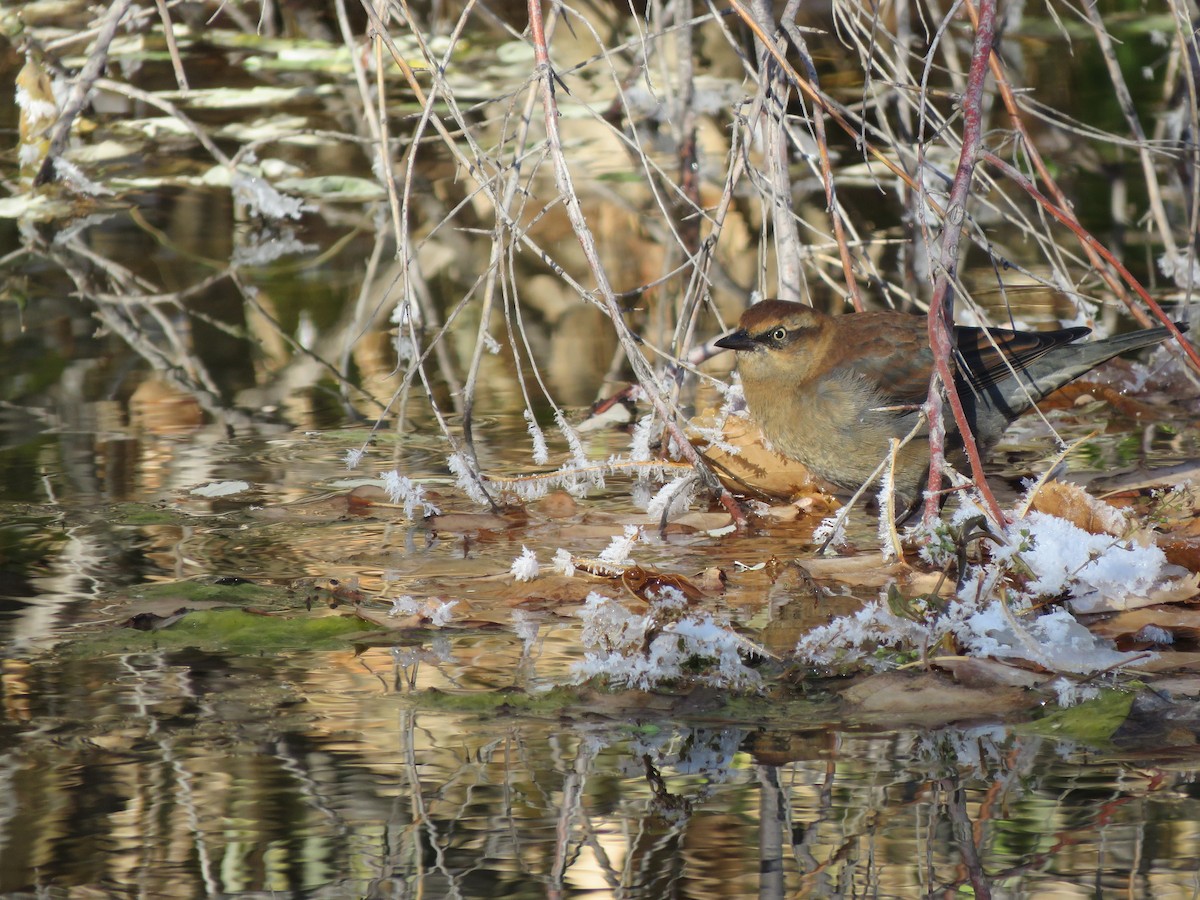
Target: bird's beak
[737, 340]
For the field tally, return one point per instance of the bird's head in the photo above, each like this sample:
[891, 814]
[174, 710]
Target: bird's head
[779, 338]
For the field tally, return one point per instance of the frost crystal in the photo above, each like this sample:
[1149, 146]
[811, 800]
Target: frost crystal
[540, 454]
[643, 432]
[404, 606]
[402, 490]
[832, 529]
[673, 496]
[641, 652]
[618, 550]
[354, 457]
[436, 611]
[1093, 567]
[564, 563]
[36, 111]
[578, 453]
[439, 613]
[525, 567]
[71, 174]
[261, 199]
[460, 467]
[1071, 694]
[992, 616]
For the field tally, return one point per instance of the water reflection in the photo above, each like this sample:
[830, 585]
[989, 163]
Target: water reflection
[195, 774]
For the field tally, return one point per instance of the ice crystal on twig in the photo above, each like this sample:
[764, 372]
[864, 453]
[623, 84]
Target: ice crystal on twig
[541, 455]
[400, 489]
[525, 567]
[642, 651]
[673, 497]
[643, 434]
[832, 529]
[465, 478]
[578, 453]
[618, 550]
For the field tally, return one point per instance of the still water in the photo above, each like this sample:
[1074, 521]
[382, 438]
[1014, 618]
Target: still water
[440, 761]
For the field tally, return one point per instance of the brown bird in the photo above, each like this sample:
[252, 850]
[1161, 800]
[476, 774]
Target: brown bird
[832, 391]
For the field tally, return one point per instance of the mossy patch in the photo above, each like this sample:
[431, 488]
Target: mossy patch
[1093, 722]
[229, 630]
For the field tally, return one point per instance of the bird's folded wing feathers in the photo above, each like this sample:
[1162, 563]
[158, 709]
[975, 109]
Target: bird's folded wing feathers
[989, 356]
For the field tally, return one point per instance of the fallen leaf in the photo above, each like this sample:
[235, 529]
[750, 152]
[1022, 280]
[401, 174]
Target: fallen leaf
[1079, 392]
[1071, 502]
[928, 698]
[978, 672]
[557, 505]
[754, 468]
[651, 586]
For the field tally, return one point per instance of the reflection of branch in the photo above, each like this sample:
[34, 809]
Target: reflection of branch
[956, 807]
[118, 312]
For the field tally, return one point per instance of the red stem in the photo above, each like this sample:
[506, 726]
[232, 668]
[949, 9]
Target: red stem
[941, 307]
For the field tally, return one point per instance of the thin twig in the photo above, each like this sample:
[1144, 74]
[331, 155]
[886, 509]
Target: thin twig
[641, 367]
[81, 89]
[941, 307]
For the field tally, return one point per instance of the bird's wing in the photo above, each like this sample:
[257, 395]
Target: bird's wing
[891, 354]
[989, 356]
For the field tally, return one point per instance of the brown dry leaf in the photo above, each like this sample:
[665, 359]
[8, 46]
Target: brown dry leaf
[755, 467]
[872, 570]
[1140, 479]
[928, 698]
[1184, 529]
[557, 505]
[648, 586]
[548, 590]
[1180, 620]
[978, 672]
[704, 521]
[712, 580]
[1079, 392]
[1071, 502]
[381, 619]
[1182, 551]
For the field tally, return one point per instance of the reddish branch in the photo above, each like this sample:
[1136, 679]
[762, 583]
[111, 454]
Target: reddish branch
[941, 307]
[1035, 157]
[1089, 241]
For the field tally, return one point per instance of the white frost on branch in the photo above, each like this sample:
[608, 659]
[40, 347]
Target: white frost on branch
[402, 490]
[525, 567]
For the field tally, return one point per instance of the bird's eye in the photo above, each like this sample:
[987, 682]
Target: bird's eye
[779, 334]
